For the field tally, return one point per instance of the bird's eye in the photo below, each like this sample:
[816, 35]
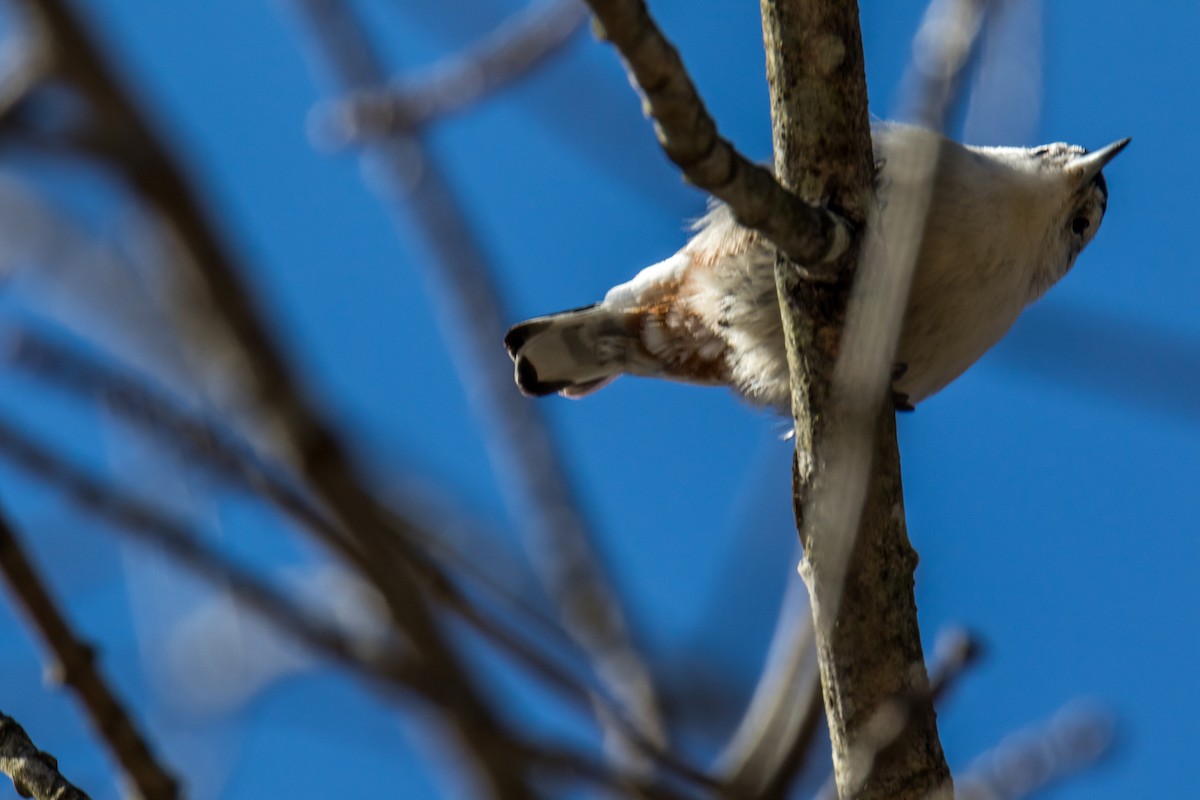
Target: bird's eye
[1080, 225]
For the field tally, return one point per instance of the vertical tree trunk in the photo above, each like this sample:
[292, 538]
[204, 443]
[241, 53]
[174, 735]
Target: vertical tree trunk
[858, 562]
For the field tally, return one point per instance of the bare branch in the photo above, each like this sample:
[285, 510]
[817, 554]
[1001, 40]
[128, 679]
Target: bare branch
[215, 305]
[76, 666]
[768, 748]
[869, 653]
[955, 651]
[519, 444]
[858, 562]
[34, 773]
[1030, 760]
[202, 443]
[378, 662]
[174, 539]
[809, 233]
[513, 50]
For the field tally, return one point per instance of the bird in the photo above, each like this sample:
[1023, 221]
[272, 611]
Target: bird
[1004, 225]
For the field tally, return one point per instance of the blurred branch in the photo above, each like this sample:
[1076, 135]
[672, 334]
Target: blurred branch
[158, 530]
[76, 665]
[25, 62]
[810, 234]
[202, 443]
[513, 50]
[222, 324]
[1075, 346]
[1030, 760]
[768, 749]
[955, 651]
[522, 451]
[378, 662]
[34, 773]
[196, 440]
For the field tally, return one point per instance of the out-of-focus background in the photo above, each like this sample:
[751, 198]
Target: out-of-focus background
[1051, 491]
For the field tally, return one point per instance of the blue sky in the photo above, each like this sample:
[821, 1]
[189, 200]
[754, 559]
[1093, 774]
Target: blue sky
[1051, 491]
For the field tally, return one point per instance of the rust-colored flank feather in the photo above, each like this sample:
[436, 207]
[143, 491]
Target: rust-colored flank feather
[671, 330]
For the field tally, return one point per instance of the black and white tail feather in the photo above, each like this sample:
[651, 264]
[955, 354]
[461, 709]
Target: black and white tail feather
[573, 353]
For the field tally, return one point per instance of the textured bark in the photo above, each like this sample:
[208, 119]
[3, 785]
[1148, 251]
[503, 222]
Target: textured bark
[822, 140]
[34, 773]
[882, 725]
[807, 232]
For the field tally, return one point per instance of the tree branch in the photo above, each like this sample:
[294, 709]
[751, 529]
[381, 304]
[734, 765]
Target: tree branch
[513, 50]
[34, 773]
[381, 663]
[847, 494]
[77, 668]
[955, 651]
[201, 443]
[767, 751]
[1028, 761]
[522, 451]
[178, 542]
[808, 232]
[222, 322]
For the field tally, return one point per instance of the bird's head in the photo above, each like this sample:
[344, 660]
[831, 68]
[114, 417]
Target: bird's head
[1079, 195]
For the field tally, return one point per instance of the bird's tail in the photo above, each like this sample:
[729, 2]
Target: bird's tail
[573, 353]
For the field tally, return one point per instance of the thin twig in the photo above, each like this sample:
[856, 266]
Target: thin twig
[955, 651]
[76, 666]
[812, 236]
[513, 50]
[34, 772]
[518, 441]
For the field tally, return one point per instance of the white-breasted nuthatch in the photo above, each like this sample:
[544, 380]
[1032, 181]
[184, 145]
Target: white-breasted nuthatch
[1004, 225]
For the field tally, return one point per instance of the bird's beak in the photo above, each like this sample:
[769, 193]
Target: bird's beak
[1088, 166]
